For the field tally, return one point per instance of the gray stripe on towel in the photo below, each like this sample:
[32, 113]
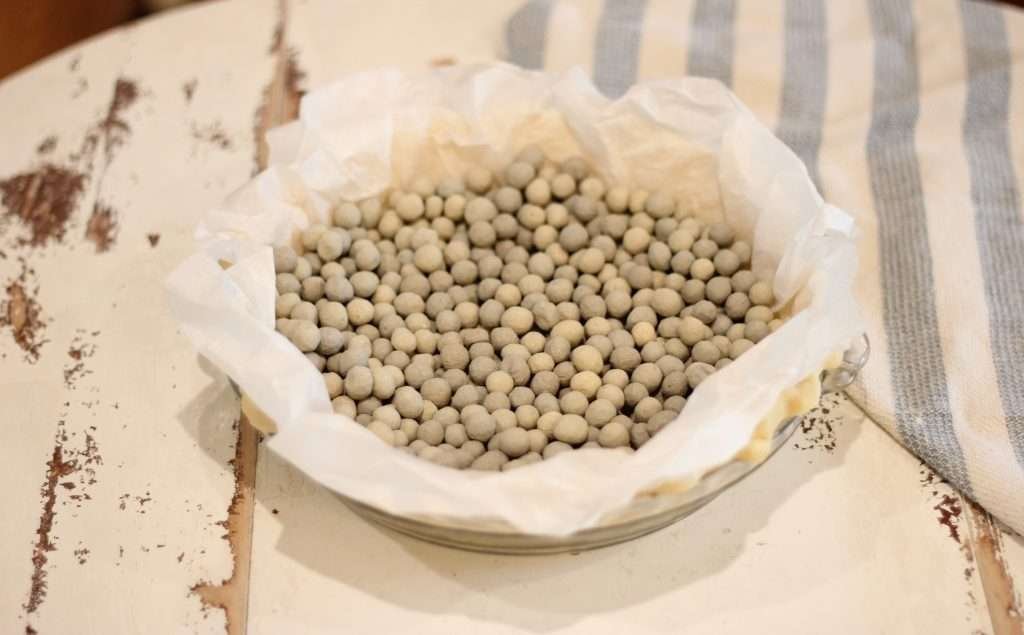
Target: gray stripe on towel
[617, 45]
[526, 34]
[711, 40]
[997, 207]
[805, 81]
[922, 412]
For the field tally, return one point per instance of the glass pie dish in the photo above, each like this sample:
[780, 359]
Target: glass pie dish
[643, 515]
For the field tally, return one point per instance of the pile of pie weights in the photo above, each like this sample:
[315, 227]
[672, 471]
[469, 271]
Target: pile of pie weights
[495, 320]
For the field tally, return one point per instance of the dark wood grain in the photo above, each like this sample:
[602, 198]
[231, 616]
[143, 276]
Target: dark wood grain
[32, 29]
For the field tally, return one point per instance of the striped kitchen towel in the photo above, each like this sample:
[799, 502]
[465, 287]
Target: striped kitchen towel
[904, 114]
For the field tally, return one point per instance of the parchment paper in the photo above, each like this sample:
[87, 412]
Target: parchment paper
[373, 130]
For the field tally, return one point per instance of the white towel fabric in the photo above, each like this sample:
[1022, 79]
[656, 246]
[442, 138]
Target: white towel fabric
[905, 114]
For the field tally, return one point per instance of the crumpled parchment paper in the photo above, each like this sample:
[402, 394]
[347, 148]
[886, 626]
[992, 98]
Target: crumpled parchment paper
[372, 130]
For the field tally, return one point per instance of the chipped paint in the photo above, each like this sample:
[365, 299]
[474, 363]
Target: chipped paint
[21, 312]
[949, 510]
[232, 594]
[42, 200]
[947, 502]
[101, 229]
[79, 351]
[212, 134]
[47, 145]
[1004, 601]
[970, 527]
[280, 104]
[112, 131]
[64, 462]
[282, 94]
[818, 427]
[57, 468]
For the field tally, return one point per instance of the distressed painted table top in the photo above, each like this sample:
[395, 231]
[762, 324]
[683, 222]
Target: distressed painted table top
[135, 501]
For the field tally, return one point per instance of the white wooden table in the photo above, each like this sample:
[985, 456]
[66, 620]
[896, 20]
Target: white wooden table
[134, 501]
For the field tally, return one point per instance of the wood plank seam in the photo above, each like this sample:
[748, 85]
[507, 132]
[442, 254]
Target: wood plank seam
[232, 593]
[1003, 601]
[279, 105]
